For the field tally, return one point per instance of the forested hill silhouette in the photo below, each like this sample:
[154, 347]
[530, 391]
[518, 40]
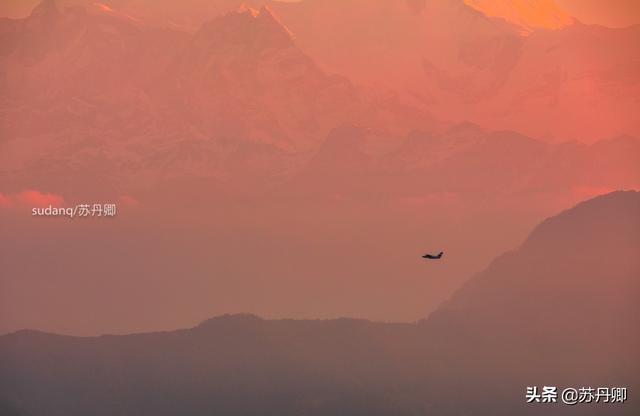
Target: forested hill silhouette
[559, 310]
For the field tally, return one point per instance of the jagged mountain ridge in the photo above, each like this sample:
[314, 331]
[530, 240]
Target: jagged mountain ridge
[503, 65]
[90, 83]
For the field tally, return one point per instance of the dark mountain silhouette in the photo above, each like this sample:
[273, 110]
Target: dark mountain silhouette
[559, 310]
[539, 314]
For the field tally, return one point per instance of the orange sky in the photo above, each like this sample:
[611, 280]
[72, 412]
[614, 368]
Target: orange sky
[614, 13]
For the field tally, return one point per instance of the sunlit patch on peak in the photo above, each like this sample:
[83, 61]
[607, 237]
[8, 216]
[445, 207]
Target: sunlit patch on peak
[529, 15]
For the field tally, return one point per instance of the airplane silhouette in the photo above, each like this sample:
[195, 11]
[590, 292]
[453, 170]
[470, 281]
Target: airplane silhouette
[433, 257]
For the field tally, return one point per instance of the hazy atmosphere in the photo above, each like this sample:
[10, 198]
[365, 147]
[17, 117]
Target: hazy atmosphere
[259, 168]
[163, 163]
